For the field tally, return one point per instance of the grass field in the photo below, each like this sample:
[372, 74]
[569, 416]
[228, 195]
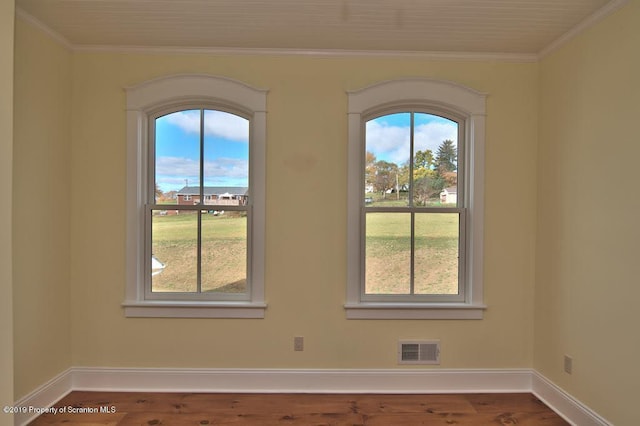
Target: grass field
[387, 246]
[224, 252]
[388, 253]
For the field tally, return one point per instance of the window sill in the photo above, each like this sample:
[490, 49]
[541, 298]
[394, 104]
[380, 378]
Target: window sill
[162, 309]
[461, 311]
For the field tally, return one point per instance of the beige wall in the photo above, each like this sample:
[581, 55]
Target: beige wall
[6, 148]
[41, 203]
[560, 169]
[588, 267]
[306, 233]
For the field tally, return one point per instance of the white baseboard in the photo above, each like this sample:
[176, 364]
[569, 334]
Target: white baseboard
[43, 397]
[297, 381]
[397, 381]
[564, 404]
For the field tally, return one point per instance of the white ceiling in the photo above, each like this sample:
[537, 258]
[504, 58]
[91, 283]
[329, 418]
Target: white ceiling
[453, 26]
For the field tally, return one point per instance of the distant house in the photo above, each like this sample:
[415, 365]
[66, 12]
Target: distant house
[449, 195]
[214, 195]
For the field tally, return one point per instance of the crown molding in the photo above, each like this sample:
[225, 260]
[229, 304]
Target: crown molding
[591, 20]
[233, 51]
[25, 16]
[587, 23]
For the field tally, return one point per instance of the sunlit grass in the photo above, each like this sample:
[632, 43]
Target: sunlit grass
[388, 253]
[224, 252]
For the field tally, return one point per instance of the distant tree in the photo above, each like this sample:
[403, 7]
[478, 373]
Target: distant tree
[424, 188]
[158, 192]
[423, 165]
[449, 179]
[386, 176]
[447, 157]
[370, 169]
[423, 160]
[422, 172]
[403, 177]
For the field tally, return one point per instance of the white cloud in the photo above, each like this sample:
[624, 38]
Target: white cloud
[177, 166]
[216, 123]
[431, 135]
[171, 172]
[226, 168]
[391, 143]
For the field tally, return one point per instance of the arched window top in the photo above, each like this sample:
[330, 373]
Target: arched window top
[201, 88]
[422, 92]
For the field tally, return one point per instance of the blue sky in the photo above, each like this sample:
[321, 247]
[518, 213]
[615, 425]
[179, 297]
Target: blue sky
[226, 141]
[388, 137]
[226, 150]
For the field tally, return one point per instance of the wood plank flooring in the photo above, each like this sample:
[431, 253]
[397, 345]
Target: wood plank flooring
[148, 409]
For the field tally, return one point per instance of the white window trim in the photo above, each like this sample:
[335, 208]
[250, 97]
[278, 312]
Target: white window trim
[165, 92]
[426, 93]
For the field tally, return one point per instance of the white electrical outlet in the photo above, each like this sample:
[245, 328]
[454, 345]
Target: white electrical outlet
[568, 364]
[298, 343]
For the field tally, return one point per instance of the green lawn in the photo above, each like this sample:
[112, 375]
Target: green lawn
[387, 248]
[224, 252]
[388, 253]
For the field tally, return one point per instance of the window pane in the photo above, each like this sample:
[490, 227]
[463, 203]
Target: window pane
[177, 157]
[388, 147]
[224, 252]
[174, 248]
[388, 253]
[436, 253]
[435, 160]
[226, 158]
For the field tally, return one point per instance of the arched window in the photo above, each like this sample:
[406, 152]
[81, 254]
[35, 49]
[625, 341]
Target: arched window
[416, 154]
[196, 168]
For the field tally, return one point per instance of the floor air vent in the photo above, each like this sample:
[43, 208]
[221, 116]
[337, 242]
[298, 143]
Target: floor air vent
[419, 352]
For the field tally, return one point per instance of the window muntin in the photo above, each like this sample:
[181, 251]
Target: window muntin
[412, 234]
[198, 154]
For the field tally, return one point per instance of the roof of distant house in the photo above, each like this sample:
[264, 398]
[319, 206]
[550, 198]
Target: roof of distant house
[214, 190]
[451, 190]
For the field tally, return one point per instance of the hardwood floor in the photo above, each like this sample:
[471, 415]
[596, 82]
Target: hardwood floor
[114, 408]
